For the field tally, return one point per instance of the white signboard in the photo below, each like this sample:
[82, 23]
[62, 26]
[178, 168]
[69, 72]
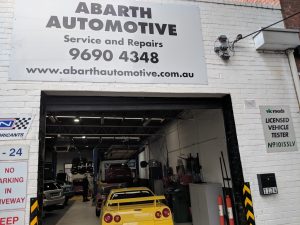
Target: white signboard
[278, 129]
[12, 218]
[13, 152]
[13, 182]
[107, 41]
[14, 128]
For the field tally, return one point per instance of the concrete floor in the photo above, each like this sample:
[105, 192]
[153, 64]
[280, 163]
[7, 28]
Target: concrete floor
[76, 213]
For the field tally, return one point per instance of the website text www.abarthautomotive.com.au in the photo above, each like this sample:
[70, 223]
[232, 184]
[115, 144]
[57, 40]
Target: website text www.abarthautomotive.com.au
[108, 72]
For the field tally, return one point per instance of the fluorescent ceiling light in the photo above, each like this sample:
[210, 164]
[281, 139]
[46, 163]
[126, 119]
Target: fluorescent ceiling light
[66, 116]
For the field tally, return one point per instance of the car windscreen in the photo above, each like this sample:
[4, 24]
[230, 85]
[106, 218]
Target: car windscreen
[118, 166]
[115, 166]
[131, 194]
[50, 186]
[106, 190]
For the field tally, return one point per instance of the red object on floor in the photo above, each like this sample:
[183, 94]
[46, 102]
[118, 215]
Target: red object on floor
[229, 210]
[221, 213]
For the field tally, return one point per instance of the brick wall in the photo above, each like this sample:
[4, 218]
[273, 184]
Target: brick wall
[262, 77]
[290, 7]
[260, 2]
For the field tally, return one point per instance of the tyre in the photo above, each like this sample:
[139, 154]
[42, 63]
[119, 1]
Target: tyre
[66, 201]
[61, 206]
[97, 212]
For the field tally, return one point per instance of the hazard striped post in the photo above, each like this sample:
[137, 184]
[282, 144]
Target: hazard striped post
[34, 211]
[248, 204]
[229, 210]
[221, 212]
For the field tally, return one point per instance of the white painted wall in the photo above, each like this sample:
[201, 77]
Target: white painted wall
[199, 131]
[262, 77]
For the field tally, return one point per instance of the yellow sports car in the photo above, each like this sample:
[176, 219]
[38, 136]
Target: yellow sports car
[135, 206]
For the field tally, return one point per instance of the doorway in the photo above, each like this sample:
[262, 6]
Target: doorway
[89, 131]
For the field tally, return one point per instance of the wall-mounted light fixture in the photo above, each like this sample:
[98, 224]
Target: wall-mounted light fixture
[222, 47]
[76, 120]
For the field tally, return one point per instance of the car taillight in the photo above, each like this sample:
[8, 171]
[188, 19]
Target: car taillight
[166, 212]
[117, 218]
[158, 214]
[108, 218]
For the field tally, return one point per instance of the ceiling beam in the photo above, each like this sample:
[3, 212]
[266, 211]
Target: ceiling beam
[101, 135]
[99, 126]
[101, 104]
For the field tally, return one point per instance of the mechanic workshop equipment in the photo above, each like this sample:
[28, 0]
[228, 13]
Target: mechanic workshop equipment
[221, 212]
[227, 193]
[180, 203]
[229, 210]
[194, 168]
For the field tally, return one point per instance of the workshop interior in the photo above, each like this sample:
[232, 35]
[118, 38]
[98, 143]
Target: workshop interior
[175, 147]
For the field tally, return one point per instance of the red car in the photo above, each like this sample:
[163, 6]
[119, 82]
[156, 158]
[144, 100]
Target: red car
[118, 173]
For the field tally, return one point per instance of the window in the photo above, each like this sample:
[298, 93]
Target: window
[132, 194]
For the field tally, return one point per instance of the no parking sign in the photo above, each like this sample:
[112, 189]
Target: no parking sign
[12, 218]
[13, 182]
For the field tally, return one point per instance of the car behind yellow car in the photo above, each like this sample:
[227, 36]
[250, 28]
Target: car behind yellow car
[135, 206]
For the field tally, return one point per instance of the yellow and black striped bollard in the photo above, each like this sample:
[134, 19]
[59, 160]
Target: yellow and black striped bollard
[248, 204]
[34, 211]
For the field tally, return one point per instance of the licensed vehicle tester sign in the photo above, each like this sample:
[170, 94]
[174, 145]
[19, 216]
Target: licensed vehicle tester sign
[13, 182]
[107, 41]
[278, 129]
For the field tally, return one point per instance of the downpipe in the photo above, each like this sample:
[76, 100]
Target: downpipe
[294, 71]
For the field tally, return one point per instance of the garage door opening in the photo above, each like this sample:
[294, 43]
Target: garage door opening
[165, 144]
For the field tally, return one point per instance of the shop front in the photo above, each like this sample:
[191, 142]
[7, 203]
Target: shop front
[161, 95]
